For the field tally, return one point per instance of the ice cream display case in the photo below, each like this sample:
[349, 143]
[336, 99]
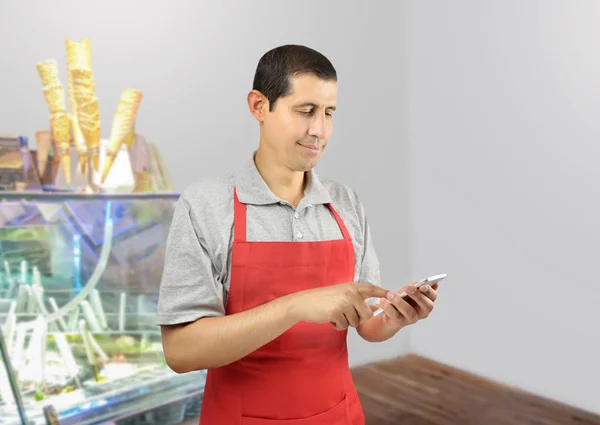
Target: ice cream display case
[84, 219]
[79, 279]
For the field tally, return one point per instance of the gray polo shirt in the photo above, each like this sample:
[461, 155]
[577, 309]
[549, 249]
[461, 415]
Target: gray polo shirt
[195, 280]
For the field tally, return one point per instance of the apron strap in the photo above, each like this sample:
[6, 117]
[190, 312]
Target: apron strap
[339, 222]
[239, 219]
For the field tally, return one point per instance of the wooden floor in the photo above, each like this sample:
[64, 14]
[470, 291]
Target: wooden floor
[412, 390]
[417, 391]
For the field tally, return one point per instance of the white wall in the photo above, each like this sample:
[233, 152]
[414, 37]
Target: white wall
[195, 60]
[504, 124]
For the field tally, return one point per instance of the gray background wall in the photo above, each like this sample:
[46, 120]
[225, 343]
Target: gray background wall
[469, 129]
[504, 129]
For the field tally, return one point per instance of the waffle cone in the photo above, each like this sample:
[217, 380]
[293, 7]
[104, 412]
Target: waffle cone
[65, 161]
[61, 133]
[85, 98]
[83, 90]
[88, 125]
[108, 161]
[43, 141]
[83, 163]
[82, 79]
[61, 128]
[78, 57]
[88, 117]
[55, 98]
[71, 97]
[92, 136]
[79, 54]
[122, 125]
[131, 137]
[79, 142]
[87, 106]
[48, 72]
[96, 160]
[71, 89]
[76, 134]
[125, 116]
[121, 132]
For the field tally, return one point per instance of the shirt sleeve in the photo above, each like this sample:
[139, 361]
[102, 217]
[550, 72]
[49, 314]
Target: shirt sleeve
[190, 287]
[369, 271]
[369, 267]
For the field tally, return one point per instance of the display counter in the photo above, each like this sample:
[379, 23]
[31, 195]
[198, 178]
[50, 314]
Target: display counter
[79, 280]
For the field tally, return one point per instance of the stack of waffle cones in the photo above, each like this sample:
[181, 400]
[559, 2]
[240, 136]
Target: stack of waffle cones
[122, 126]
[78, 56]
[59, 120]
[82, 125]
[83, 99]
[88, 112]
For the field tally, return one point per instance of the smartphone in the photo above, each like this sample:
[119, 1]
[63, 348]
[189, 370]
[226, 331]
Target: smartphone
[431, 280]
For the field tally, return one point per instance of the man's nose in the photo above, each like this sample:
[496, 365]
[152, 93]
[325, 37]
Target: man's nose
[318, 127]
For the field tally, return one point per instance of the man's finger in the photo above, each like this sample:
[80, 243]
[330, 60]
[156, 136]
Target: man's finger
[352, 317]
[367, 290]
[408, 311]
[364, 311]
[429, 292]
[340, 322]
[425, 305]
[390, 310]
[409, 300]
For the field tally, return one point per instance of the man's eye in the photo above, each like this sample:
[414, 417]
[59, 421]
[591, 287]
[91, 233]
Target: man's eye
[306, 112]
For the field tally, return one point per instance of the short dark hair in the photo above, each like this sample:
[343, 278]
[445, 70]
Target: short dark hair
[276, 68]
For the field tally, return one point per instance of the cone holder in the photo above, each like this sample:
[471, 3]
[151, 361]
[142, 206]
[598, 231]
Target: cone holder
[91, 186]
[77, 177]
[120, 178]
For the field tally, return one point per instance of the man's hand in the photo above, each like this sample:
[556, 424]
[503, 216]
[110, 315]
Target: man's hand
[341, 305]
[398, 312]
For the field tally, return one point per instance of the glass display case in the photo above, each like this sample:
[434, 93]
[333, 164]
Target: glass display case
[79, 279]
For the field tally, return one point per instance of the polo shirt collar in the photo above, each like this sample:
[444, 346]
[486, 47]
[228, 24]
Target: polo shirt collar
[252, 189]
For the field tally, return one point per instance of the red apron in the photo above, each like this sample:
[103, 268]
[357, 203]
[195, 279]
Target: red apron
[302, 377]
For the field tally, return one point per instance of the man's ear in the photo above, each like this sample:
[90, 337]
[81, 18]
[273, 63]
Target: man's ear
[258, 105]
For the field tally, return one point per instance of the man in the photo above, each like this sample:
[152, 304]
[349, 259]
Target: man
[267, 268]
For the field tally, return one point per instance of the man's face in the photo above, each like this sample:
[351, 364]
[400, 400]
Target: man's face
[296, 132]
